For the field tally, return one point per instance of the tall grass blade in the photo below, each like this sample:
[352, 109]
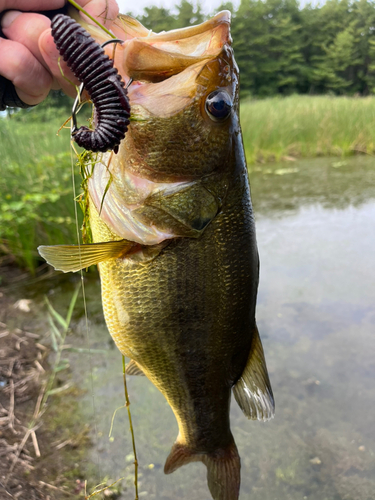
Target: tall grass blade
[72, 305]
[56, 315]
[54, 333]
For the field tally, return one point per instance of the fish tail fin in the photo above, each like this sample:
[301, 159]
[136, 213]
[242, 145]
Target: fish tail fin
[223, 473]
[223, 468]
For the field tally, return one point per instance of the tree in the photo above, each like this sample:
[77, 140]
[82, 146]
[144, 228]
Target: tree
[157, 19]
[187, 15]
[364, 33]
[321, 27]
[267, 43]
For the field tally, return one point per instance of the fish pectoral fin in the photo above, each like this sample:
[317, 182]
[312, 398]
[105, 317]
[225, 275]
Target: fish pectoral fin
[253, 391]
[223, 468]
[133, 368]
[72, 258]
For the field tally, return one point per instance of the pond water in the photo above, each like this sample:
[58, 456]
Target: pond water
[316, 317]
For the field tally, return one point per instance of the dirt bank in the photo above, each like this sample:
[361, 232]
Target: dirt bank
[40, 444]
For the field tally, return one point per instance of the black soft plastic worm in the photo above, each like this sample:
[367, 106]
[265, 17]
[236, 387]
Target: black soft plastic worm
[86, 58]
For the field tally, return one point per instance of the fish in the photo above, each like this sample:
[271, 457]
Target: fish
[174, 240]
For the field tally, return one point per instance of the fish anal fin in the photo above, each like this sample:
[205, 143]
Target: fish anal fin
[133, 368]
[253, 391]
[72, 258]
[180, 455]
[223, 468]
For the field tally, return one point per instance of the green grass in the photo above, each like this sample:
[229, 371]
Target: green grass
[307, 126]
[36, 201]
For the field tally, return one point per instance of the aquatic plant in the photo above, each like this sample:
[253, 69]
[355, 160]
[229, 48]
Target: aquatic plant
[307, 126]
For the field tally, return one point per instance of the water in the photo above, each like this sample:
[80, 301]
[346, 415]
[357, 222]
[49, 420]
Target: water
[316, 317]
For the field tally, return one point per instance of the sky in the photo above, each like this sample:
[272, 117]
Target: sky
[208, 6]
[136, 7]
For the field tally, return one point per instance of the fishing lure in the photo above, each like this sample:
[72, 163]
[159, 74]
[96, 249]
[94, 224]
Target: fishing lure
[89, 63]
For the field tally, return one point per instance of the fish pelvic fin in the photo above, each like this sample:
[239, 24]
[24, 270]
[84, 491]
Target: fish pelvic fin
[72, 258]
[133, 368]
[223, 468]
[253, 391]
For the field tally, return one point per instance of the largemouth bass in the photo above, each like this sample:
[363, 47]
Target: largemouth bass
[174, 240]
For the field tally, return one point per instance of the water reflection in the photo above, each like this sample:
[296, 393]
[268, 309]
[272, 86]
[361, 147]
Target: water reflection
[316, 316]
[331, 182]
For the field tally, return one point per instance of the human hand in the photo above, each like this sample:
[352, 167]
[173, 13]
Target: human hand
[29, 58]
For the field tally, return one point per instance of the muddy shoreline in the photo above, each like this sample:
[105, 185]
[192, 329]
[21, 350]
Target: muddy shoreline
[40, 445]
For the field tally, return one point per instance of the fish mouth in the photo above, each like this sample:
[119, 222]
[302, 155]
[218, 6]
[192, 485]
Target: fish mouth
[171, 69]
[153, 189]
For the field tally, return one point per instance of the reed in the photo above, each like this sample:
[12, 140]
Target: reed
[277, 129]
[36, 201]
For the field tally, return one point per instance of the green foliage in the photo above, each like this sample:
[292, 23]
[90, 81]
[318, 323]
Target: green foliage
[267, 40]
[160, 19]
[36, 201]
[187, 15]
[157, 18]
[307, 126]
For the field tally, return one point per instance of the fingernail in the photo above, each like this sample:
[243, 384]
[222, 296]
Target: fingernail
[9, 17]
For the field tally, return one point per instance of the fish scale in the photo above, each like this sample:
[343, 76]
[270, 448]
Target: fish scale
[182, 304]
[176, 247]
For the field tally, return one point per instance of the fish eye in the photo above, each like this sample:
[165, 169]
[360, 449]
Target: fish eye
[218, 105]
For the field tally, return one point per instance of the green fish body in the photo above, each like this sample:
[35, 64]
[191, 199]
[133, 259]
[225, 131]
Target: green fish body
[175, 242]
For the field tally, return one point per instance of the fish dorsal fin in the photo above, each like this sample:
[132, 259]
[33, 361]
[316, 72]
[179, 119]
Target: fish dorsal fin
[72, 258]
[253, 391]
[133, 368]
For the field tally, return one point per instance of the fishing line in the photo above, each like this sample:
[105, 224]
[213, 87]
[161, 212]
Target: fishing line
[127, 404]
[127, 401]
[86, 316]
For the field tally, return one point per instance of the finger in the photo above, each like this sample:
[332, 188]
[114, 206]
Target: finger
[105, 11]
[57, 66]
[25, 29]
[34, 81]
[31, 5]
